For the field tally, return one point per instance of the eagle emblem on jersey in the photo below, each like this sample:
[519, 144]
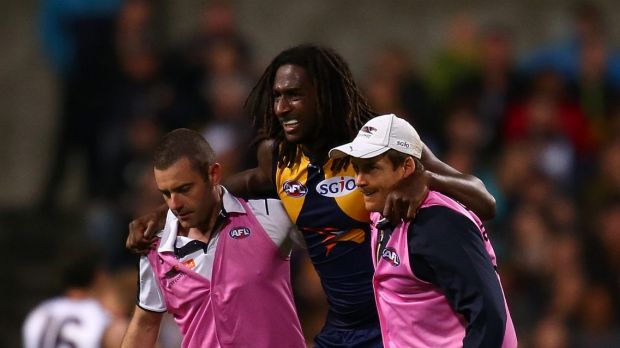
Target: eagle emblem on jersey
[389, 254]
[294, 189]
[333, 236]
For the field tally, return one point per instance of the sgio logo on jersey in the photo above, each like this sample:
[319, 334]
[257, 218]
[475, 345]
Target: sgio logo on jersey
[336, 187]
[239, 232]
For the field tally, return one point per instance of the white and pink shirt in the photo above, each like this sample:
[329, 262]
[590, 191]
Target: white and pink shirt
[435, 281]
[234, 293]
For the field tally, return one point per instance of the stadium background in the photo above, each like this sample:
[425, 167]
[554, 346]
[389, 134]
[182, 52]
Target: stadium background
[557, 233]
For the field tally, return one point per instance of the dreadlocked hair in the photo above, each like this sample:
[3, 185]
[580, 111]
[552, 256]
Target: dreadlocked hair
[341, 107]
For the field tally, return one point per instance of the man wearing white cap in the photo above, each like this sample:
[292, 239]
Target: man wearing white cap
[435, 278]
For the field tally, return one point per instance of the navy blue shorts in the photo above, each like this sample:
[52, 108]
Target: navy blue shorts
[333, 337]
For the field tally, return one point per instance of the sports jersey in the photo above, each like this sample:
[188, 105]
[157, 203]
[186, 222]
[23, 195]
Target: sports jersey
[62, 321]
[329, 211]
[247, 300]
[435, 280]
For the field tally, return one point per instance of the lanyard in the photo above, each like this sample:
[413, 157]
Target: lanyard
[385, 232]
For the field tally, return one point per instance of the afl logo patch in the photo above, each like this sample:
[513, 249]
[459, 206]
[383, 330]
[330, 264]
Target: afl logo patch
[390, 255]
[337, 186]
[239, 233]
[294, 189]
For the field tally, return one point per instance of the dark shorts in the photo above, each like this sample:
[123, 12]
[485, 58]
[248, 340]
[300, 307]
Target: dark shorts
[333, 337]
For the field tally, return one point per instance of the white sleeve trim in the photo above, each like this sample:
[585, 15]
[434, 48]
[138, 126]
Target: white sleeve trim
[149, 294]
[271, 215]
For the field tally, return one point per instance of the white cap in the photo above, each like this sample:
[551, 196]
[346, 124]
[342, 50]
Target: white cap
[379, 135]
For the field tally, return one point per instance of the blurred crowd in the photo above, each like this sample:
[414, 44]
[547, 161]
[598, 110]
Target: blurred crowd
[540, 128]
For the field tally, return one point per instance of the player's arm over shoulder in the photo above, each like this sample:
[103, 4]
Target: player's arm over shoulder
[465, 188]
[255, 182]
[276, 222]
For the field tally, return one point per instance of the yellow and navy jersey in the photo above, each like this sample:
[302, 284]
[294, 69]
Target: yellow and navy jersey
[329, 210]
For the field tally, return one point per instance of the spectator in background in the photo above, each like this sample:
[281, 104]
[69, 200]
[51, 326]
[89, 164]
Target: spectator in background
[130, 190]
[134, 123]
[554, 125]
[549, 333]
[463, 139]
[566, 54]
[215, 52]
[225, 88]
[136, 119]
[597, 319]
[603, 251]
[567, 277]
[456, 60]
[589, 67]
[594, 89]
[613, 123]
[217, 22]
[604, 184]
[506, 176]
[77, 318]
[476, 110]
[547, 255]
[139, 98]
[392, 85]
[529, 253]
[79, 39]
[212, 73]
[492, 87]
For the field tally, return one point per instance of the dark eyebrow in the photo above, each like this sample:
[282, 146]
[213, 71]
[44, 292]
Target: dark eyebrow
[287, 89]
[177, 188]
[182, 186]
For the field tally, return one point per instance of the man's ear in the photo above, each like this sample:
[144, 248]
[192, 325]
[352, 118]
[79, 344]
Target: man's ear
[215, 173]
[408, 166]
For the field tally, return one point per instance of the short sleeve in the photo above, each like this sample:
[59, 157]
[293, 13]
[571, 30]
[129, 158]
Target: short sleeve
[150, 297]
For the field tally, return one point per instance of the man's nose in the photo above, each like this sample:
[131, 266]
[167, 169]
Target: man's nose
[360, 180]
[175, 202]
[282, 106]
